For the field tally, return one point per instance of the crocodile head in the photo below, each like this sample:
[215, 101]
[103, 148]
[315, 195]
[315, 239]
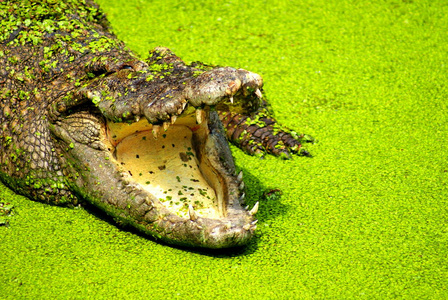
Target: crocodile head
[149, 149]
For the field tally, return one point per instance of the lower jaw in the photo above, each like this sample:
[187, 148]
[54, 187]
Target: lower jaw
[193, 198]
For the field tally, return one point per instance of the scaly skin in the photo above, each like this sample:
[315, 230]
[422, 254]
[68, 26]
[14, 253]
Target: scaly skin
[66, 82]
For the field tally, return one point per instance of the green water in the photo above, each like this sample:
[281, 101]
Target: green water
[366, 217]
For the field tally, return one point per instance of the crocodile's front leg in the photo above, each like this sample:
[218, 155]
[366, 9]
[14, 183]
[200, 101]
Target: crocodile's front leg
[260, 134]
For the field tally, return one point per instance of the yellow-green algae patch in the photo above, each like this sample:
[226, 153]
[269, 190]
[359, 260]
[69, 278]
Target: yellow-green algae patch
[366, 217]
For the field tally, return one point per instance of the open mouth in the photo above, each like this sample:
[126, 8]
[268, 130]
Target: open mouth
[183, 165]
[170, 162]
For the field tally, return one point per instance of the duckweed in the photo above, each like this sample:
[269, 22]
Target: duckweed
[364, 218]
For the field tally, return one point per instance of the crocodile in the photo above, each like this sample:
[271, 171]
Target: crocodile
[85, 121]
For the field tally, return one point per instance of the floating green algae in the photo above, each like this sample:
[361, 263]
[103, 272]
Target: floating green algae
[366, 217]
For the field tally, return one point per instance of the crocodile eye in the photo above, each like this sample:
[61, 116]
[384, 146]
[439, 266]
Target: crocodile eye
[126, 67]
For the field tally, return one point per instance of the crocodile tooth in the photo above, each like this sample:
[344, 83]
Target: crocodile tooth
[240, 176]
[200, 116]
[247, 207]
[242, 200]
[258, 93]
[192, 213]
[254, 222]
[137, 118]
[183, 105]
[173, 119]
[246, 227]
[180, 110]
[166, 125]
[243, 195]
[155, 131]
[241, 186]
[231, 99]
[254, 210]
